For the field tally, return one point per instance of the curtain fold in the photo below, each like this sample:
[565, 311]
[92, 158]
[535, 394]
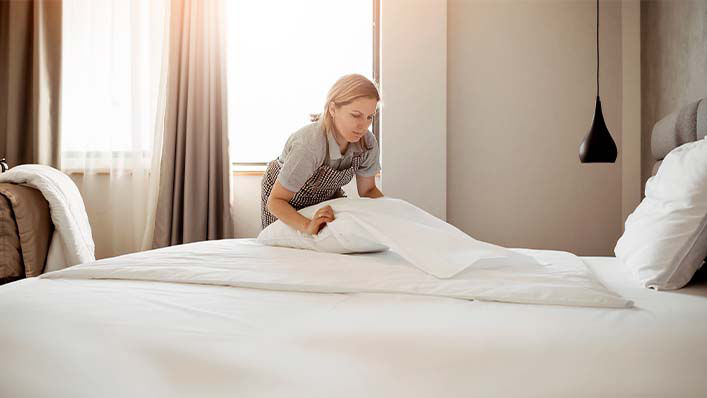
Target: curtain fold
[30, 81]
[193, 201]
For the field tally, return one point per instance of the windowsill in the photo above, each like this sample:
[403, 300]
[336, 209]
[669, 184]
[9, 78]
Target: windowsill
[248, 169]
[238, 173]
[236, 170]
[99, 172]
[259, 173]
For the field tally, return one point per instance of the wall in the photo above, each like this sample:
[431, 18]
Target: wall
[414, 90]
[116, 211]
[521, 92]
[673, 62]
[631, 192]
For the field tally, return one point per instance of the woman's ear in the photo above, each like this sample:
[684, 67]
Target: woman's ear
[332, 108]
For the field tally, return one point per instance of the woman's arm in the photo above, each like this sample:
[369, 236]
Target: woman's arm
[278, 204]
[367, 187]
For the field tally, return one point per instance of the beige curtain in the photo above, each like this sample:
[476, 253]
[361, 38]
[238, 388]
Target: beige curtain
[30, 80]
[194, 194]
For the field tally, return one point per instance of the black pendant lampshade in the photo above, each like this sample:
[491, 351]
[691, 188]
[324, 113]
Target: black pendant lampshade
[598, 146]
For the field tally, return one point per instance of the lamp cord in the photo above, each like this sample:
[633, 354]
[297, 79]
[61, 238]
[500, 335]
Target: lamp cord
[597, 48]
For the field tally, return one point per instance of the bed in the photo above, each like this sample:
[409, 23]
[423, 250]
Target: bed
[87, 338]
[217, 319]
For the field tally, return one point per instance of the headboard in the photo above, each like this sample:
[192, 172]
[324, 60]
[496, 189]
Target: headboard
[682, 126]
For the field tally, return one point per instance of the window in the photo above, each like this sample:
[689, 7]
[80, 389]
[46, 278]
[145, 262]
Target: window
[283, 56]
[111, 59]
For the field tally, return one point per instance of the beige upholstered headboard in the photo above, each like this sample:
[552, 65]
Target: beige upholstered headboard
[682, 126]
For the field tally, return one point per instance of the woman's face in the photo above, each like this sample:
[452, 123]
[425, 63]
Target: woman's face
[351, 121]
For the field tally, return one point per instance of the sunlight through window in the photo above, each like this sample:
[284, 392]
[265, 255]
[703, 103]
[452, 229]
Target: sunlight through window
[282, 58]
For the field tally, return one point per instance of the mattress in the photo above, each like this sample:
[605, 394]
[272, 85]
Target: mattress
[87, 338]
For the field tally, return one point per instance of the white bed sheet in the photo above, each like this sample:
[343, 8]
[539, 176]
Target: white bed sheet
[141, 338]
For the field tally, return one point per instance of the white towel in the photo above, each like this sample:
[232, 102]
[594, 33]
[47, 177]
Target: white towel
[72, 242]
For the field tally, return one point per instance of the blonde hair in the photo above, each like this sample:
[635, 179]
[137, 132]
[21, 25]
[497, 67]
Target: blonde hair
[347, 89]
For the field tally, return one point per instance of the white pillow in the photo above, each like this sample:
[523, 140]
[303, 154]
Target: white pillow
[366, 224]
[665, 240]
[343, 235]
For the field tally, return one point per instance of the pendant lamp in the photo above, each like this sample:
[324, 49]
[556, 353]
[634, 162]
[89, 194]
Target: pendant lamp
[598, 146]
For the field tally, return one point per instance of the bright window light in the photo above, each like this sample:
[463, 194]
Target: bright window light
[111, 58]
[283, 56]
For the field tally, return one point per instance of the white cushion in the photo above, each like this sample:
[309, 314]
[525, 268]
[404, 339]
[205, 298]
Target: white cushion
[425, 241]
[343, 235]
[665, 241]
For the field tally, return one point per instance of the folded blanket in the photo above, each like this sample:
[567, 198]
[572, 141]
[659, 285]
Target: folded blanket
[557, 278]
[71, 242]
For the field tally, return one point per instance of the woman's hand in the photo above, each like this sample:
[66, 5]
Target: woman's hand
[279, 206]
[320, 219]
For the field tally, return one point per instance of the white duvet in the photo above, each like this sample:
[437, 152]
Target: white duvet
[561, 279]
[64, 337]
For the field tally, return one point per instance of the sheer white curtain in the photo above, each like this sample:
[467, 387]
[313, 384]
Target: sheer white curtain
[112, 63]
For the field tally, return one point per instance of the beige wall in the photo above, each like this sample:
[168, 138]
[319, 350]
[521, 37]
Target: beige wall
[521, 91]
[630, 107]
[673, 62]
[115, 211]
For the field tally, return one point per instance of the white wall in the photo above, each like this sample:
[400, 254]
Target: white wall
[414, 90]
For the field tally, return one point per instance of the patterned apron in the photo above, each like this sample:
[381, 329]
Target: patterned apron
[324, 184]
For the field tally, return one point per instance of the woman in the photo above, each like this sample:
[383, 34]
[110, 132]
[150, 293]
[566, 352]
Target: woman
[323, 156]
